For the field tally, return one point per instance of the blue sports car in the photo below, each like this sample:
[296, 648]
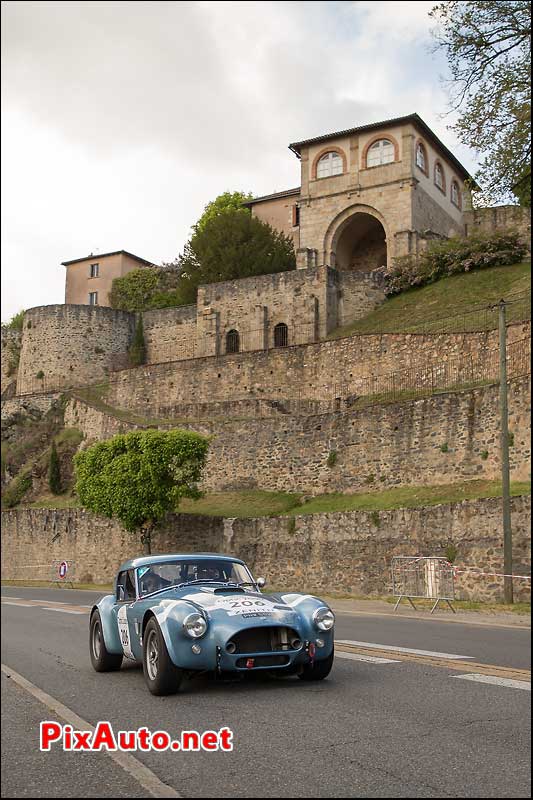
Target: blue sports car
[185, 614]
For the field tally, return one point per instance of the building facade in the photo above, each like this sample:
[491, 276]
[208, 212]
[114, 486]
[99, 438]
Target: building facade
[88, 280]
[369, 194]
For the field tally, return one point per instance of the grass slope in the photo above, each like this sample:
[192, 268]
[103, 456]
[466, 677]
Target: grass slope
[445, 306]
[260, 504]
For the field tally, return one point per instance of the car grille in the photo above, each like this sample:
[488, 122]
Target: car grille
[263, 640]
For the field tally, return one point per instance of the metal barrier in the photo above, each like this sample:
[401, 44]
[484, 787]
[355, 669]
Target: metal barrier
[423, 577]
[62, 572]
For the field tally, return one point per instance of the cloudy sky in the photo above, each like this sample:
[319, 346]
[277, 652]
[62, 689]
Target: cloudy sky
[121, 120]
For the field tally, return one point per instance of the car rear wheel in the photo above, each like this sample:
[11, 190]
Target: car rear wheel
[318, 670]
[101, 659]
[161, 675]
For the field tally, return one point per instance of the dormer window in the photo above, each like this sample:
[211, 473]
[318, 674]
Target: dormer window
[439, 177]
[329, 164]
[455, 196]
[381, 152]
[421, 158]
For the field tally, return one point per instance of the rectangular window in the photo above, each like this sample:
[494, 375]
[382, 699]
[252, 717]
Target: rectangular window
[93, 298]
[94, 271]
[295, 216]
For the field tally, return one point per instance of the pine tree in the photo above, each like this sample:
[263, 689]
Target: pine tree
[54, 471]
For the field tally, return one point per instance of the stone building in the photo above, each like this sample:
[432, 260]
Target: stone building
[88, 280]
[368, 194]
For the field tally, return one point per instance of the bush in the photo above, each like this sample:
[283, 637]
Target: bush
[15, 323]
[16, 490]
[453, 256]
[332, 458]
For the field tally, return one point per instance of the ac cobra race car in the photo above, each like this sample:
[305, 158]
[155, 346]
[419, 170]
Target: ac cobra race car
[186, 614]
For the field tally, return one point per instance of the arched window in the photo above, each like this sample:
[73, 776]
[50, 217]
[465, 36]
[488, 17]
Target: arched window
[421, 158]
[381, 152]
[329, 164]
[281, 335]
[232, 341]
[439, 176]
[455, 195]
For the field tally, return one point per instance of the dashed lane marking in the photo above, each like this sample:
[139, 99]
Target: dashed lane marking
[509, 673]
[47, 605]
[62, 610]
[394, 648]
[511, 684]
[370, 659]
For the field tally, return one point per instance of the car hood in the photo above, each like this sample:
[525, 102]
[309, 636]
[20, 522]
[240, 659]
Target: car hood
[239, 605]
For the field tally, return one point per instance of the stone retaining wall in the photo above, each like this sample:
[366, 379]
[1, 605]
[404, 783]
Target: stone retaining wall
[341, 552]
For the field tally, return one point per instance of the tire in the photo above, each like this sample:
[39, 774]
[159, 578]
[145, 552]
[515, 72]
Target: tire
[101, 659]
[318, 670]
[161, 675]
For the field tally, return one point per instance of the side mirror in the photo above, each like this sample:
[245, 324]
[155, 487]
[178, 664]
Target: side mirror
[260, 582]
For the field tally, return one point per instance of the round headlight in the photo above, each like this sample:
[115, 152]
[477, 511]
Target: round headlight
[324, 619]
[194, 625]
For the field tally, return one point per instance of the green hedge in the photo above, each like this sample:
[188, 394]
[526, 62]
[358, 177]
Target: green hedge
[452, 256]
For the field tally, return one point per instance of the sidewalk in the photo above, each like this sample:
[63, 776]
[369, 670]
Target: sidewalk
[441, 614]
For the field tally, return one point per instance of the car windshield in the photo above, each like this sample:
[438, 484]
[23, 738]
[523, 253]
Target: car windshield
[155, 577]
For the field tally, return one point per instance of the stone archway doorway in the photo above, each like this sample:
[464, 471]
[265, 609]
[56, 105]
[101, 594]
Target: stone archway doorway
[360, 244]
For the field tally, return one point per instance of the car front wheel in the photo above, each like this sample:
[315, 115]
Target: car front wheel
[161, 675]
[318, 670]
[101, 659]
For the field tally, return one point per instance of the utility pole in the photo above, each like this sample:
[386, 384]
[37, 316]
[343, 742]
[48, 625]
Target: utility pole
[504, 450]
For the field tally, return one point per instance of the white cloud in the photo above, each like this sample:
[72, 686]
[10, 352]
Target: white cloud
[122, 120]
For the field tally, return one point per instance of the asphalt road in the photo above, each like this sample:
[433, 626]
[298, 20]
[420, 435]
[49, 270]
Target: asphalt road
[372, 729]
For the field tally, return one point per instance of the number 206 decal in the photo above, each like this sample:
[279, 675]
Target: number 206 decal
[233, 607]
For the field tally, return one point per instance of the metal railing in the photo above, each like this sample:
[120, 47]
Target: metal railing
[423, 577]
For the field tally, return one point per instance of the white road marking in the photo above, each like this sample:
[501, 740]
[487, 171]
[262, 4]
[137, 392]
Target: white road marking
[374, 646]
[370, 659]
[9, 597]
[511, 684]
[62, 610]
[18, 603]
[144, 776]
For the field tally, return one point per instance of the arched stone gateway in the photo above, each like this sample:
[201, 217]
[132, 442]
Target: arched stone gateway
[356, 241]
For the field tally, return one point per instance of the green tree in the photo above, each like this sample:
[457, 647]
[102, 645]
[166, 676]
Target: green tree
[137, 351]
[522, 189]
[227, 201]
[487, 43]
[54, 471]
[134, 291]
[15, 323]
[232, 245]
[138, 477]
